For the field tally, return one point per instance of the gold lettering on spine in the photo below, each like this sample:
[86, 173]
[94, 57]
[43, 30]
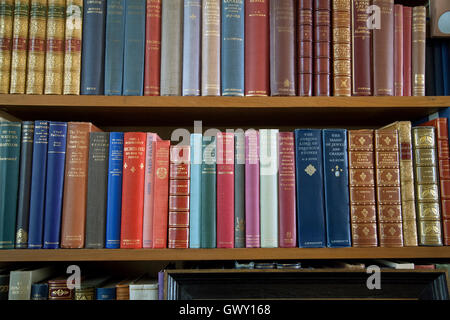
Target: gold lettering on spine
[6, 21]
[72, 57]
[342, 47]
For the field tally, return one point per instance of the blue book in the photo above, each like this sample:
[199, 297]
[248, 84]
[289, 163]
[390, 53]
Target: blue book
[438, 75]
[105, 293]
[134, 52]
[114, 202]
[93, 53]
[446, 68]
[309, 181]
[337, 198]
[39, 291]
[192, 47]
[195, 204]
[233, 48]
[38, 181]
[114, 46]
[56, 159]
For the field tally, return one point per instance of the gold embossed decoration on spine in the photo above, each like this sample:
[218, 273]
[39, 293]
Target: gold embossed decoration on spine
[72, 57]
[19, 46]
[54, 60]
[342, 66]
[6, 21]
[36, 47]
[419, 27]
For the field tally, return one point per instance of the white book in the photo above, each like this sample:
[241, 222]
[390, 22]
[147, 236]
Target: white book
[20, 281]
[403, 265]
[144, 289]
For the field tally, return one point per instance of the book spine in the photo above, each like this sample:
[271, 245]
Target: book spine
[57, 141]
[398, 51]
[322, 50]
[361, 49]
[115, 176]
[191, 47]
[363, 211]
[438, 67]
[446, 68]
[342, 48]
[39, 291]
[23, 203]
[195, 196]
[97, 190]
[134, 51]
[257, 44]
[268, 157]
[4, 286]
[389, 205]
[309, 178]
[36, 47]
[337, 201]
[20, 285]
[407, 47]
[10, 138]
[38, 180]
[6, 33]
[54, 57]
[287, 234]
[72, 57]
[383, 50]
[419, 26]
[58, 290]
[147, 236]
[211, 47]
[133, 190]
[152, 72]
[430, 88]
[282, 48]
[19, 46]
[208, 214]
[172, 48]
[114, 46]
[252, 200]
[105, 294]
[305, 47]
[239, 189]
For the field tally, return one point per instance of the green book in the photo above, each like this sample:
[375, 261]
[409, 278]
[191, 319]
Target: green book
[208, 215]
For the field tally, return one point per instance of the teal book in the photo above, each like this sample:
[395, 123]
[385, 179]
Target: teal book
[239, 189]
[208, 215]
[195, 205]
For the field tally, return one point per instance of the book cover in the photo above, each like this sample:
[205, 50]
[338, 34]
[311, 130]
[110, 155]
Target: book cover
[407, 47]
[342, 52]
[21, 280]
[195, 196]
[106, 291]
[208, 190]
[152, 72]
[211, 40]
[398, 51]
[305, 47]
[6, 34]
[322, 48]
[252, 200]
[446, 68]
[39, 291]
[192, 47]
[58, 290]
[418, 51]
[430, 88]
[239, 189]
[438, 68]
[149, 190]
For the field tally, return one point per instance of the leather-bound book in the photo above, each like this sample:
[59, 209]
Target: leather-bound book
[389, 201]
[6, 32]
[363, 210]
[305, 47]
[208, 191]
[195, 195]
[427, 186]
[322, 47]
[239, 189]
[152, 71]
[191, 47]
[211, 40]
[398, 50]
[342, 48]
[383, 50]
[419, 26]
[58, 290]
[252, 202]
[407, 47]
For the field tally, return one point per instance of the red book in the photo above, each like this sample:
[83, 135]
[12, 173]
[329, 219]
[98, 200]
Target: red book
[225, 190]
[305, 47]
[407, 34]
[133, 189]
[398, 51]
[152, 71]
[286, 190]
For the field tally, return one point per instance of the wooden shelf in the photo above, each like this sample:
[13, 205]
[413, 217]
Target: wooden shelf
[223, 254]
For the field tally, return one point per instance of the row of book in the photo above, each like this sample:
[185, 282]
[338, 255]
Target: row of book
[70, 185]
[212, 48]
[438, 67]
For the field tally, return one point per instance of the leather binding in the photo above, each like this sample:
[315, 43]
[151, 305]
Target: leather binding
[257, 44]
[419, 17]
[239, 189]
[309, 179]
[398, 50]
[152, 72]
[36, 47]
[39, 291]
[252, 209]
[75, 184]
[407, 45]
[195, 196]
[383, 50]
[211, 39]
[57, 142]
[427, 186]
[287, 235]
[406, 182]
[73, 42]
[10, 139]
[282, 48]
[123, 289]
[342, 48]
[58, 290]
[114, 46]
[23, 203]
[180, 174]
[6, 33]
[389, 200]
[19, 46]
[97, 191]
[363, 210]
[172, 48]
[305, 48]
[337, 201]
[192, 47]
[361, 50]
[38, 179]
[208, 190]
[54, 57]
[322, 50]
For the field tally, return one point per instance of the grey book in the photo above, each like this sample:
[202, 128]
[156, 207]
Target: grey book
[20, 281]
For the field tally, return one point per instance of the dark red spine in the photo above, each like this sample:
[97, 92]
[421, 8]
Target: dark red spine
[152, 71]
[398, 51]
[322, 47]
[305, 47]
[407, 47]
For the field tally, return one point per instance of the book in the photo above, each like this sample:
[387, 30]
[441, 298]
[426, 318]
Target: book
[149, 191]
[21, 280]
[192, 47]
[305, 47]
[398, 51]
[39, 291]
[106, 291]
[145, 288]
[252, 199]
[211, 41]
[446, 68]
[152, 72]
[87, 288]
[58, 290]
[418, 56]
[407, 47]
[195, 196]
[322, 48]
[4, 283]
[239, 189]
[123, 289]
[403, 265]
[208, 190]
[438, 67]
[6, 33]
[342, 52]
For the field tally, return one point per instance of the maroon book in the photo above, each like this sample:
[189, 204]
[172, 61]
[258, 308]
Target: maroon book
[322, 47]
[152, 71]
[398, 51]
[407, 47]
[305, 47]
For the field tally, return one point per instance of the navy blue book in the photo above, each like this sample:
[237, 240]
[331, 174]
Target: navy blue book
[446, 67]
[438, 74]
[56, 159]
[114, 192]
[93, 53]
[38, 181]
[309, 181]
[232, 48]
[191, 47]
[39, 291]
[108, 292]
[430, 88]
[337, 198]
[134, 52]
[114, 46]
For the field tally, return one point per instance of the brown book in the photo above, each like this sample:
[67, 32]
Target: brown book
[363, 211]
[419, 27]
[398, 50]
[305, 47]
[389, 199]
[75, 184]
[342, 48]
[322, 50]
[407, 29]
[123, 289]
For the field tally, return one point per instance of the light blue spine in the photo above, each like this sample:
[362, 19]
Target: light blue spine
[195, 209]
[191, 47]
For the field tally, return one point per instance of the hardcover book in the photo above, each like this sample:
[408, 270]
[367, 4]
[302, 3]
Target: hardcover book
[398, 51]
[208, 215]
[322, 48]
[195, 196]
[342, 52]
[39, 291]
[211, 40]
[239, 189]
[58, 290]
[192, 47]
[407, 44]
[305, 53]
[152, 72]
[6, 33]
[20, 281]
[252, 199]
[419, 26]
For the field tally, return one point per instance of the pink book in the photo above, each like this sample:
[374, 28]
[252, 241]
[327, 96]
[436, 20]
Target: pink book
[252, 231]
[407, 42]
